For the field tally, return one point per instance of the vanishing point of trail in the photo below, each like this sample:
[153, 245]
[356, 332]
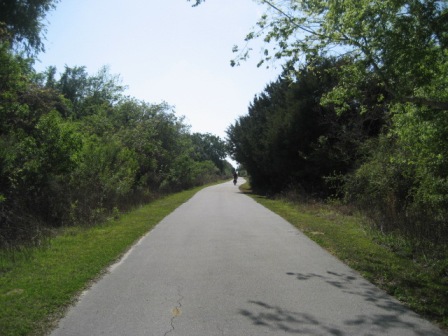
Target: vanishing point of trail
[222, 264]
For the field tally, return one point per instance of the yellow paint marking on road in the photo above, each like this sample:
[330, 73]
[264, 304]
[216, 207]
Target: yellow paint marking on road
[176, 311]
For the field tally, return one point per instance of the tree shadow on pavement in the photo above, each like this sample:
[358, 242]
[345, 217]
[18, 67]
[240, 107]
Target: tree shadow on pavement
[389, 317]
[278, 319]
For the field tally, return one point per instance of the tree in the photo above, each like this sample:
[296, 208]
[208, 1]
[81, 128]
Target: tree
[209, 147]
[73, 84]
[38, 148]
[400, 43]
[23, 21]
[74, 149]
[87, 94]
[289, 140]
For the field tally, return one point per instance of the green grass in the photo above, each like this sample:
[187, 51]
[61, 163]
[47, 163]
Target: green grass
[420, 283]
[37, 284]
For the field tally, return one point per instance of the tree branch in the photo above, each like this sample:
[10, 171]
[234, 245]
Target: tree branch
[290, 19]
[435, 104]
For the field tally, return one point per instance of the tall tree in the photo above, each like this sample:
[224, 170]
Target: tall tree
[288, 139]
[209, 147]
[23, 20]
[401, 43]
[87, 93]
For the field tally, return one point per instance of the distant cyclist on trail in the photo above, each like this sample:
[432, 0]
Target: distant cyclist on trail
[235, 177]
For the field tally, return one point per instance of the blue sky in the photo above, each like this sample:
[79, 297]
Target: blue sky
[164, 50]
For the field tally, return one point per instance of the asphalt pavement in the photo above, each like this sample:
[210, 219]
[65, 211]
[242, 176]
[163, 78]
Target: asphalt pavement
[221, 264]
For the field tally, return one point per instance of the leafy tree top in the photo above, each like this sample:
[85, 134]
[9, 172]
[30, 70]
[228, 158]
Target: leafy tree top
[400, 43]
[23, 20]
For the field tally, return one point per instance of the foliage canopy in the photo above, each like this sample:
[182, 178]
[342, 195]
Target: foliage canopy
[23, 21]
[73, 148]
[400, 43]
[389, 74]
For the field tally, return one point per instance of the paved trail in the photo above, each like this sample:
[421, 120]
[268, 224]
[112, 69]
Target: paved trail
[221, 264]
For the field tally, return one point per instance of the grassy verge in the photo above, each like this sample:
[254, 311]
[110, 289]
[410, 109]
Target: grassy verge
[37, 284]
[420, 283]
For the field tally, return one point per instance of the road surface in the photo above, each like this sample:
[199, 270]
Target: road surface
[222, 264]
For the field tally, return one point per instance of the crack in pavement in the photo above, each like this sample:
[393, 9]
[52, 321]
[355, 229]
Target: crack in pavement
[176, 311]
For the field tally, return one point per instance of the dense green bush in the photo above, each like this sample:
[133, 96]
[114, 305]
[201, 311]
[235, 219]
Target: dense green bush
[403, 182]
[73, 149]
[289, 140]
[387, 158]
[387, 142]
